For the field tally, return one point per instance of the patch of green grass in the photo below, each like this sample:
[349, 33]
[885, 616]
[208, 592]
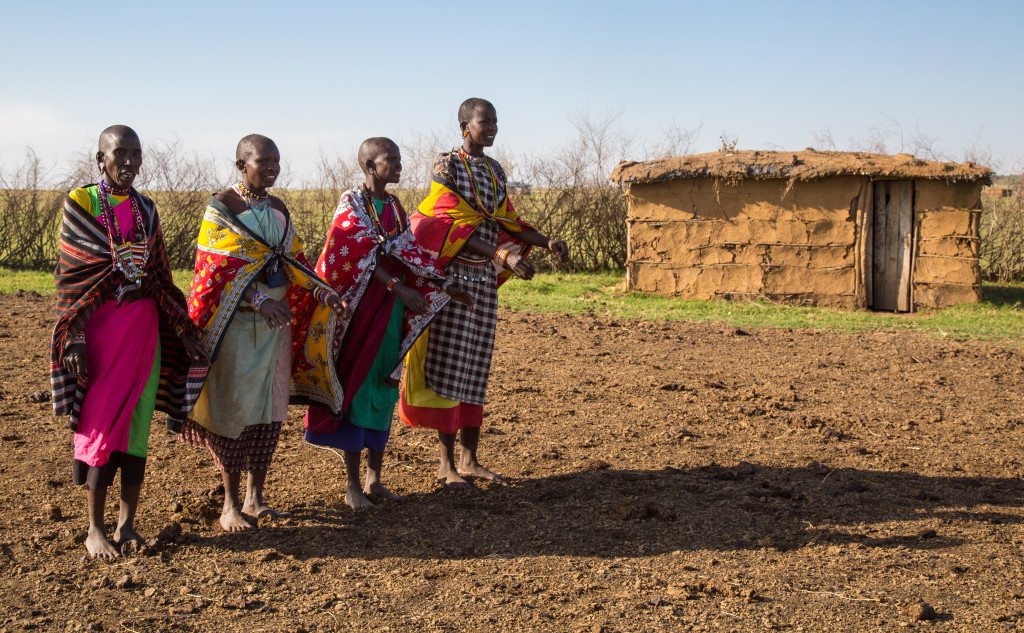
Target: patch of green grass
[42, 282]
[28, 280]
[1000, 316]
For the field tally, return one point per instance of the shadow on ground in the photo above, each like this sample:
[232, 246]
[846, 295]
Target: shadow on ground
[1003, 295]
[622, 513]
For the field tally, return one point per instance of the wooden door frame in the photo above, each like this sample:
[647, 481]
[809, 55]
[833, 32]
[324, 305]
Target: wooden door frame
[866, 233]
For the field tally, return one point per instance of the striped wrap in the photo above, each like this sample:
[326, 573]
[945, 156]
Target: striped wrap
[86, 278]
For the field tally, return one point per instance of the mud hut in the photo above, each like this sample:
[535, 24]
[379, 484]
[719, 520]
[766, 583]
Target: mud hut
[842, 229]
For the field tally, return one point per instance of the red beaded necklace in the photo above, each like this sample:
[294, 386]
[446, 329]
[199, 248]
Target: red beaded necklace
[129, 257]
[378, 226]
[476, 188]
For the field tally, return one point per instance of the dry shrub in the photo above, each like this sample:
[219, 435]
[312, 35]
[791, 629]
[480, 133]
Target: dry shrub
[1002, 238]
[29, 216]
[565, 193]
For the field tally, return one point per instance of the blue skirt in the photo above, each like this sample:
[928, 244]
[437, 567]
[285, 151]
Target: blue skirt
[351, 438]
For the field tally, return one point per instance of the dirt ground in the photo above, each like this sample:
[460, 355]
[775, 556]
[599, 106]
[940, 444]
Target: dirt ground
[665, 476]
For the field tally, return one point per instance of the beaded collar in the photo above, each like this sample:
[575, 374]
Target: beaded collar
[464, 156]
[129, 257]
[371, 210]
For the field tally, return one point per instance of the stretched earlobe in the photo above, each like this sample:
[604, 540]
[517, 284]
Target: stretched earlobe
[465, 133]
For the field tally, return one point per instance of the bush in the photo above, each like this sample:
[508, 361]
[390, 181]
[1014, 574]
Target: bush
[1002, 239]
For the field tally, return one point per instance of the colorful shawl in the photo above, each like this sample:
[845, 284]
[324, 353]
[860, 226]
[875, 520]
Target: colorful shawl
[443, 225]
[348, 260]
[86, 278]
[446, 220]
[229, 258]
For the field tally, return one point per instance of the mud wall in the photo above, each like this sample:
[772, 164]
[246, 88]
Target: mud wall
[700, 239]
[946, 250]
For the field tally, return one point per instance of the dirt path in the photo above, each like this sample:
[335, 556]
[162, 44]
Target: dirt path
[667, 476]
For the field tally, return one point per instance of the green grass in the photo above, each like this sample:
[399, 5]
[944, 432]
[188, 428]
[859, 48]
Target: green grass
[1000, 316]
[42, 282]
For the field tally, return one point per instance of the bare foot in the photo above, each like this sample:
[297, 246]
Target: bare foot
[125, 533]
[377, 489]
[99, 547]
[260, 510]
[233, 521]
[450, 478]
[476, 470]
[355, 499]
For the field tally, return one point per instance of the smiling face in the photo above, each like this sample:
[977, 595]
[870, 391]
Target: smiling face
[482, 125]
[387, 165]
[120, 157]
[260, 166]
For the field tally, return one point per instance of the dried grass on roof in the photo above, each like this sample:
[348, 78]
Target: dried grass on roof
[803, 165]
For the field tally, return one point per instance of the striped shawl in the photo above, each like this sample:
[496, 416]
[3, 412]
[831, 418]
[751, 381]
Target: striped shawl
[86, 279]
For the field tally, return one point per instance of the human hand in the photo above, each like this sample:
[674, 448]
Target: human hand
[460, 294]
[276, 313]
[412, 299]
[75, 361]
[195, 349]
[340, 307]
[559, 249]
[520, 266]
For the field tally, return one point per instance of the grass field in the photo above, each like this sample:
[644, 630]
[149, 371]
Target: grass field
[998, 317]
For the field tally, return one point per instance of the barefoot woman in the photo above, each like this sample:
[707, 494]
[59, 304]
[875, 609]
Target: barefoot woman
[248, 256]
[123, 342]
[470, 226]
[393, 289]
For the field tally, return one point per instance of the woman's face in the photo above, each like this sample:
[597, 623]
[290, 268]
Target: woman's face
[261, 166]
[121, 159]
[482, 126]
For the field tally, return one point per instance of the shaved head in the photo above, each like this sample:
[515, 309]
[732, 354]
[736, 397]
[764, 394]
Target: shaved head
[113, 132]
[371, 148]
[470, 105]
[249, 143]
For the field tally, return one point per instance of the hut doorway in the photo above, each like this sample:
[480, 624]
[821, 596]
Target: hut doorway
[892, 240]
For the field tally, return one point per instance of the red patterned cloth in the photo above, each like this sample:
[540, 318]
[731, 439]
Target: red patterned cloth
[252, 450]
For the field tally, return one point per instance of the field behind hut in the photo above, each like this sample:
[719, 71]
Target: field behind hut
[665, 475]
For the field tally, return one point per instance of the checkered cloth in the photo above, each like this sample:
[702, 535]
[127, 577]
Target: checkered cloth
[451, 170]
[252, 450]
[461, 339]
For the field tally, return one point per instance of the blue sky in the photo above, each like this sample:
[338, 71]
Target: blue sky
[326, 75]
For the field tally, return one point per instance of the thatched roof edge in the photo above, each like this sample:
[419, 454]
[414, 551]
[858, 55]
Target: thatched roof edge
[795, 166]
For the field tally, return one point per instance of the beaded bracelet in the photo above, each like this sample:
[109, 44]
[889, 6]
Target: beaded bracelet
[392, 283]
[448, 283]
[258, 299]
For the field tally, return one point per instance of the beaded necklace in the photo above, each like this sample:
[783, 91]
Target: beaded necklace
[255, 202]
[382, 234]
[248, 195]
[129, 257]
[259, 203]
[476, 188]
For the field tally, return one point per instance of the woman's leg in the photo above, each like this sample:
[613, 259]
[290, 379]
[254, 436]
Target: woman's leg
[447, 473]
[354, 497]
[374, 461]
[231, 518]
[96, 542]
[469, 439]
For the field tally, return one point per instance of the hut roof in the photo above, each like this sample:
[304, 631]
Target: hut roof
[803, 165]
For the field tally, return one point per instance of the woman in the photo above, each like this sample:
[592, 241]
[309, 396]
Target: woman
[247, 259]
[393, 289]
[468, 223]
[123, 345]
